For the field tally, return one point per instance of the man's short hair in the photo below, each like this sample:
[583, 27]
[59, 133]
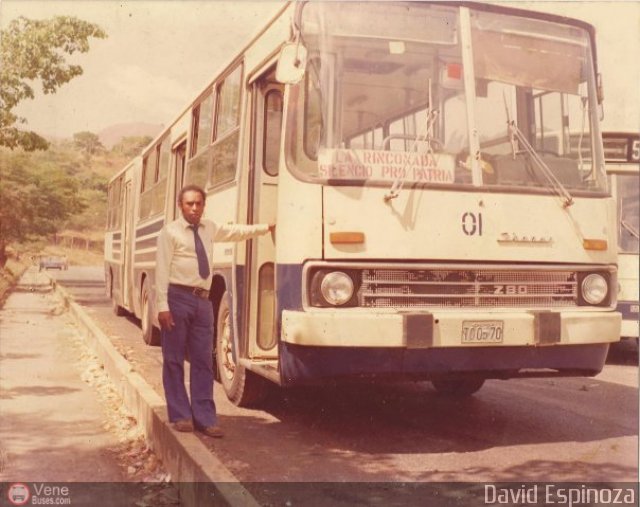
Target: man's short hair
[191, 188]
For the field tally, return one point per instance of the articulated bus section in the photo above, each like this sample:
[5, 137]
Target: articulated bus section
[436, 175]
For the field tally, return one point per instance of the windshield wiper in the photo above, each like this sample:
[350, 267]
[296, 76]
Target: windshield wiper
[512, 137]
[554, 183]
[432, 114]
[630, 228]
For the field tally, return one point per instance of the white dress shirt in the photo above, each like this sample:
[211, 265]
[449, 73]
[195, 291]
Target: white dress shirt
[176, 260]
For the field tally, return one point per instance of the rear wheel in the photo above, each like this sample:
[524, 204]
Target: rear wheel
[244, 388]
[117, 309]
[458, 387]
[150, 334]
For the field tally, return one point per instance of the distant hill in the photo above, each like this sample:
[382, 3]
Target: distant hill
[113, 134]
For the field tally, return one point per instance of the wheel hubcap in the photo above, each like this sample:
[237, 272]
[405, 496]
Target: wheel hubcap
[145, 311]
[229, 366]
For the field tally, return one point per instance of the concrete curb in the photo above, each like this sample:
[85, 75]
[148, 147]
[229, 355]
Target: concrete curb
[202, 479]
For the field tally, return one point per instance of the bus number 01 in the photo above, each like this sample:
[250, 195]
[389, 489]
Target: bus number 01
[472, 223]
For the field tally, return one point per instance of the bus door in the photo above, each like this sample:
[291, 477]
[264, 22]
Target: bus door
[180, 158]
[127, 271]
[267, 101]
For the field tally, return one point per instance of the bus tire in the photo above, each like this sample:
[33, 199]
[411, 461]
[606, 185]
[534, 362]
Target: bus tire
[150, 334]
[117, 309]
[457, 387]
[243, 387]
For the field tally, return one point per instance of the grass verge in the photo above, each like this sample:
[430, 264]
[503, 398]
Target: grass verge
[9, 275]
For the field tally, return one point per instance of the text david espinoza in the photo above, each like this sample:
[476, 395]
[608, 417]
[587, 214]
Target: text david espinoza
[558, 494]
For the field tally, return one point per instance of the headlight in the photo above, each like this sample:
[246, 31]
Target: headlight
[594, 289]
[337, 288]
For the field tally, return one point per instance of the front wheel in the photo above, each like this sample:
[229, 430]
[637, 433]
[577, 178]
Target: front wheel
[244, 388]
[150, 334]
[458, 387]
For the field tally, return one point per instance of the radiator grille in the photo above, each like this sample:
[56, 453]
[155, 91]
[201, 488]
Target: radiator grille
[467, 288]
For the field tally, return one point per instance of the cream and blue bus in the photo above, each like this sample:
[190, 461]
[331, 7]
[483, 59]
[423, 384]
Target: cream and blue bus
[622, 156]
[437, 218]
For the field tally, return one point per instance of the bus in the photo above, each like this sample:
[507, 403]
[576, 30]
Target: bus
[622, 157]
[434, 219]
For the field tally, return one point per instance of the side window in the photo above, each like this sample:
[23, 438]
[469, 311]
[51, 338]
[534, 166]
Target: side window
[119, 202]
[229, 108]
[201, 130]
[160, 190]
[205, 123]
[227, 132]
[148, 175]
[149, 170]
[195, 121]
[109, 206]
[164, 159]
[114, 203]
[272, 131]
[155, 167]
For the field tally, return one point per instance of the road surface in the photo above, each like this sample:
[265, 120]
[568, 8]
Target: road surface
[575, 429]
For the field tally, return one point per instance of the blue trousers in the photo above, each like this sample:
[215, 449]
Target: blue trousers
[193, 331]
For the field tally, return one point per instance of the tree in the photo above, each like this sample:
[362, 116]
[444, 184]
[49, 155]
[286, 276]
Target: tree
[87, 142]
[35, 202]
[131, 146]
[32, 50]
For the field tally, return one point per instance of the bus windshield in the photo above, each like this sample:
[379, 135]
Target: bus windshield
[387, 97]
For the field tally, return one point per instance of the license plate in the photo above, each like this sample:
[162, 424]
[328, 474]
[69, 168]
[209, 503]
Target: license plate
[482, 331]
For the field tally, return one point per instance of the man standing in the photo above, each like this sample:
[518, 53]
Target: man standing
[185, 313]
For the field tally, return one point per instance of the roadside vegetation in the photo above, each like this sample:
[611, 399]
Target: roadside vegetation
[54, 201]
[52, 193]
[9, 275]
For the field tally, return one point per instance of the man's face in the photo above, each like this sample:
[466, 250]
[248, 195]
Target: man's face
[192, 206]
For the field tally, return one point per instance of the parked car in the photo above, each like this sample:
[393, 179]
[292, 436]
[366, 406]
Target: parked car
[54, 262]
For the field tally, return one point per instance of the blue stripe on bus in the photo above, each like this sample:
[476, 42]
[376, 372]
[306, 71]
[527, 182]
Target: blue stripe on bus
[629, 309]
[151, 228]
[308, 365]
[289, 287]
[288, 291]
[146, 243]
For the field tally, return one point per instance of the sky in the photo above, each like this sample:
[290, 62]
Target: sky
[161, 53]
[158, 55]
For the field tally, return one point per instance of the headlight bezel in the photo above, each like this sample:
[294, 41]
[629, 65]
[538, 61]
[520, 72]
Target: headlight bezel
[318, 299]
[585, 278]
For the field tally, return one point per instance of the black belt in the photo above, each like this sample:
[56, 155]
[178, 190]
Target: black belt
[196, 291]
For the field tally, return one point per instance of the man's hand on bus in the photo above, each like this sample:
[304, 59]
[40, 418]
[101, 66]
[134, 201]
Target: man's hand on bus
[166, 320]
[272, 230]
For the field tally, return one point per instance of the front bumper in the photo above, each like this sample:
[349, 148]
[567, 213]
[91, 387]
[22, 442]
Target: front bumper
[317, 346]
[437, 330]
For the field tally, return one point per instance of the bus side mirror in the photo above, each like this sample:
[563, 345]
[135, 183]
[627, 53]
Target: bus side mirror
[599, 88]
[292, 63]
[600, 95]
